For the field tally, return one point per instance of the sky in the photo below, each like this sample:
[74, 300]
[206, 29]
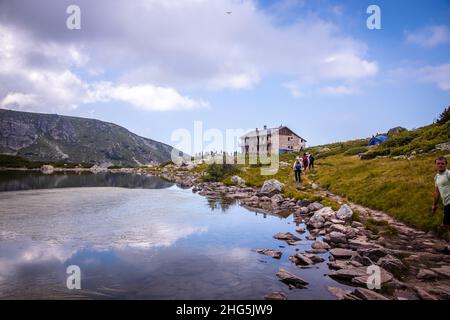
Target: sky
[156, 67]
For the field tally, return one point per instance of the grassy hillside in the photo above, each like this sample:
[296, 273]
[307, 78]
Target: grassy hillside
[375, 177]
[396, 176]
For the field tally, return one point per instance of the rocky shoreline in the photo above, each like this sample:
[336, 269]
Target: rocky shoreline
[409, 261]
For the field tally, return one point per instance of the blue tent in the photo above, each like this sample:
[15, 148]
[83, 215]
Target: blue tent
[377, 140]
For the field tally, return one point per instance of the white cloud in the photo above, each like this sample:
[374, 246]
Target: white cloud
[155, 49]
[430, 36]
[56, 88]
[439, 75]
[338, 90]
[148, 97]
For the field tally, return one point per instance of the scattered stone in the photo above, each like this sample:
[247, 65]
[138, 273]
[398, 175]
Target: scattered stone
[342, 294]
[337, 237]
[442, 271]
[320, 245]
[279, 295]
[344, 213]
[362, 280]
[359, 243]
[301, 259]
[373, 253]
[303, 203]
[315, 206]
[291, 279]
[272, 253]
[366, 294]
[391, 264]
[316, 251]
[238, 180]
[425, 274]
[338, 228]
[356, 224]
[277, 198]
[272, 186]
[424, 295]
[47, 169]
[339, 253]
[348, 273]
[443, 146]
[286, 236]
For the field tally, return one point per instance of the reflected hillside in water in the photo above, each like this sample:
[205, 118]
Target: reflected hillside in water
[31, 180]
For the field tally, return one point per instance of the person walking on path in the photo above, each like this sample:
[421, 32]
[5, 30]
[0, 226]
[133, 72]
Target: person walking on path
[305, 162]
[442, 190]
[311, 162]
[298, 171]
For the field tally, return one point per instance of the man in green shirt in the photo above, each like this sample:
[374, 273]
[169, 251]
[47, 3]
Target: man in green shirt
[442, 183]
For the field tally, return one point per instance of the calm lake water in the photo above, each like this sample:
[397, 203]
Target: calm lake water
[138, 237]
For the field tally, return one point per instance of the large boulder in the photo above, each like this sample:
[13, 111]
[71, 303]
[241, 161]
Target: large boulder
[396, 130]
[344, 213]
[272, 186]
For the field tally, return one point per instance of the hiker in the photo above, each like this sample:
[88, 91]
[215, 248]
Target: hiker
[305, 162]
[311, 161]
[442, 190]
[298, 171]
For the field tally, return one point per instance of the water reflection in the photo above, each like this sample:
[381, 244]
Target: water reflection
[142, 244]
[31, 180]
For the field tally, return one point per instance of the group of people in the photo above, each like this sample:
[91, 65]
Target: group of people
[303, 163]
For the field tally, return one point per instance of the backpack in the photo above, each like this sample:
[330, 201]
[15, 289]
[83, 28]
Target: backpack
[298, 166]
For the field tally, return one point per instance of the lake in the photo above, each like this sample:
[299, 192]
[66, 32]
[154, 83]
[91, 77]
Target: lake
[139, 237]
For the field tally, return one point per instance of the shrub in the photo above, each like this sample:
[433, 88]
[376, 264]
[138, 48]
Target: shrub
[375, 153]
[355, 151]
[444, 117]
[218, 172]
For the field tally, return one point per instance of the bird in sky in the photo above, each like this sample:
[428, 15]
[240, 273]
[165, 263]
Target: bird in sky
[229, 12]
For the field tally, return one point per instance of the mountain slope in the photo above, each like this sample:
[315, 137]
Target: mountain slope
[50, 137]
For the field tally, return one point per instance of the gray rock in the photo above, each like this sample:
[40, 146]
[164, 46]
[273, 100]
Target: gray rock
[301, 260]
[47, 169]
[339, 253]
[303, 203]
[443, 146]
[320, 245]
[342, 294]
[391, 264]
[272, 253]
[315, 206]
[291, 279]
[344, 213]
[442, 271]
[238, 180]
[425, 274]
[373, 253]
[271, 186]
[286, 236]
[337, 237]
[366, 294]
[279, 295]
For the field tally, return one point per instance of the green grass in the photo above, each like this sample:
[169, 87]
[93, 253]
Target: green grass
[402, 188]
